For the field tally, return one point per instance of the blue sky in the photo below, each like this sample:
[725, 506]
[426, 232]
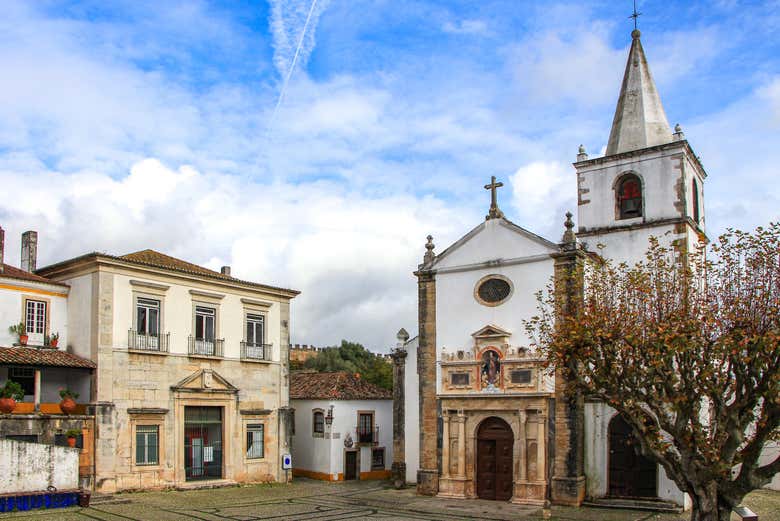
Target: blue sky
[127, 125]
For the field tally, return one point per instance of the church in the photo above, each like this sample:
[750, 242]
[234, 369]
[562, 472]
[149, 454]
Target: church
[493, 423]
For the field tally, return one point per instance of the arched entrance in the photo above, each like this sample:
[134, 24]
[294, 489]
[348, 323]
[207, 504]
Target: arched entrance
[494, 459]
[630, 473]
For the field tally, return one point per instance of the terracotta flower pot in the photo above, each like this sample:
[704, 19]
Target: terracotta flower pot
[71, 441]
[53, 343]
[7, 405]
[68, 405]
[23, 339]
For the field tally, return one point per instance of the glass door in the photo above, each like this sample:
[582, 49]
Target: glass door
[202, 443]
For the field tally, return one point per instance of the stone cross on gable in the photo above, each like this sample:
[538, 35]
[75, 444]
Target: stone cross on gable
[494, 212]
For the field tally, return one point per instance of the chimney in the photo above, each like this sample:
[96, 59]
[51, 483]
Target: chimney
[29, 251]
[2, 249]
[225, 271]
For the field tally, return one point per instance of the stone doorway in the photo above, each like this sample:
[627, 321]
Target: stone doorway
[630, 473]
[494, 460]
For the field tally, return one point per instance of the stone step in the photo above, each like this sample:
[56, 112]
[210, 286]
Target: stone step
[653, 505]
[107, 499]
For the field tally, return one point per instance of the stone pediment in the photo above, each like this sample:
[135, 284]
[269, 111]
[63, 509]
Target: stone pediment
[205, 381]
[491, 332]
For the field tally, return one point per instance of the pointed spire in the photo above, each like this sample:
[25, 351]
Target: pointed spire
[640, 120]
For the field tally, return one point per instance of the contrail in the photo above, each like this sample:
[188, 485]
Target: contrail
[292, 65]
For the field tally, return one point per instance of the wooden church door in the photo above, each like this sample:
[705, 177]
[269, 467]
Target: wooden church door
[630, 473]
[494, 460]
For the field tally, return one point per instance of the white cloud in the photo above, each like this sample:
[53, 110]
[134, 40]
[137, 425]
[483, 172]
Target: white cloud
[479, 27]
[541, 193]
[287, 21]
[351, 256]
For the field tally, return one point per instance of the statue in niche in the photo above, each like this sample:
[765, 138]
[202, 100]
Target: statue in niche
[491, 366]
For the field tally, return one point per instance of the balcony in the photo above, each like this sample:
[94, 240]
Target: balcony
[256, 352]
[366, 435]
[142, 342]
[205, 347]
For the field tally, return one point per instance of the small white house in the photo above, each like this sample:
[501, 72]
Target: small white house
[343, 427]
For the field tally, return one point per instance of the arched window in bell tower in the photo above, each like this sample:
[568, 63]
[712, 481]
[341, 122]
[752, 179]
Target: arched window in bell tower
[696, 214]
[629, 196]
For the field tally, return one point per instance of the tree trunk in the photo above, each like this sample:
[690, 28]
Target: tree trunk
[709, 505]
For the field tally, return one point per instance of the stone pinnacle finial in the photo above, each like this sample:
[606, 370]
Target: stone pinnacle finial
[679, 135]
[402, 337]
[429, 246]
[569, 240]
[582, 155]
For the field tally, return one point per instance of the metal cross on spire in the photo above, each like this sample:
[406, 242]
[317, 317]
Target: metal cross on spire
[635, 15]
[494, 212]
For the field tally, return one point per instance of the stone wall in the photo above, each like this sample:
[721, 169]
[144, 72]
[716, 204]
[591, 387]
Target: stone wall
[31, 467]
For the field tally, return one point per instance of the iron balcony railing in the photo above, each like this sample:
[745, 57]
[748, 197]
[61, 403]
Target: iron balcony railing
[205, 347]
[367, 434]
[144, 342]
[254, 351]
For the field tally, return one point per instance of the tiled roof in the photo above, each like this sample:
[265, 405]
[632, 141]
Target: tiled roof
[334, 386]
[160, 260]
[42, 357]
[155, 258]
[15, 273]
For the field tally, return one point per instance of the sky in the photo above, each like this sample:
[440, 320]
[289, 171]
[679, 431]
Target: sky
[216, 133]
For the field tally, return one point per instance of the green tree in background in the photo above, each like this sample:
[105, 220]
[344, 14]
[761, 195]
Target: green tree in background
[353, 358]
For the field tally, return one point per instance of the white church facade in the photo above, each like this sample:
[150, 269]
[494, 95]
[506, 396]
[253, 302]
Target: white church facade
[491, 421]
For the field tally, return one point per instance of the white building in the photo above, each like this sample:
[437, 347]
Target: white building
[343, 427]
[475, 295]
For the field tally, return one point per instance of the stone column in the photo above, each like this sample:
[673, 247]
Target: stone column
[461, 445]
[568, 477]
[428, 473]
[522, 459]
[541, 453]
[445, 446]
[37, 391]
[398, 468]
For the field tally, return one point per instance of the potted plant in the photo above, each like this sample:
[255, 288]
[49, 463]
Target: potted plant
[72, 435]
[68, 403]
[9, 394]
[51, 341]
[20, 330]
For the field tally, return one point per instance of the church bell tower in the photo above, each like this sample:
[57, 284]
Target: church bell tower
[649, 182]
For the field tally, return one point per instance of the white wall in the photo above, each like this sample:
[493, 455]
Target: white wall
[659, 172]
[310, 452]
[177, 314]
[80, 317]
[412, 412]
[32, 467]
[459, 314]
[597, 418]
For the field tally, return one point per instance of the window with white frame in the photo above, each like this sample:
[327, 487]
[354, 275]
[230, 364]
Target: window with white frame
[255, 329]
[147, 316]
[147, 444]
[205, 323]
[35, 320]
[255, 447]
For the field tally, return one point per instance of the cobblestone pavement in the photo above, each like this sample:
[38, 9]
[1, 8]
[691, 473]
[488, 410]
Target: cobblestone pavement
[320, 501]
